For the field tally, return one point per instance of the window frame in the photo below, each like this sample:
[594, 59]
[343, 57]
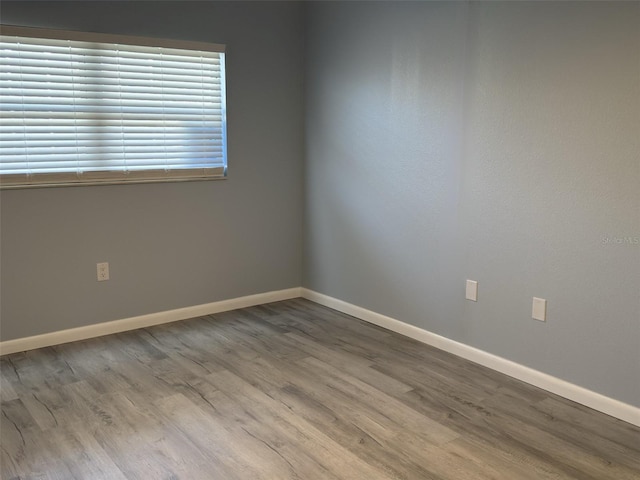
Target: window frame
[216, 171]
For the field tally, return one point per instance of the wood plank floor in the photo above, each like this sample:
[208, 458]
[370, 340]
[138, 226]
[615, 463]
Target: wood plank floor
[290, 390]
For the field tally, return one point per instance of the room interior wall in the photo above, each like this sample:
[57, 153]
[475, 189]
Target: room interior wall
[169, 245]
[492, 141]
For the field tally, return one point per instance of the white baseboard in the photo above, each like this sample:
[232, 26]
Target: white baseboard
[597, 401]
[142, 321]
[578, 394]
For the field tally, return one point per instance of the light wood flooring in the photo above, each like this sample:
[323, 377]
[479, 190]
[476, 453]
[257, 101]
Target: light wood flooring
[290, 390]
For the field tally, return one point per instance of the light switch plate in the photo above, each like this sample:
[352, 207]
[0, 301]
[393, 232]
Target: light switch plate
[472, 290]
[539, 309]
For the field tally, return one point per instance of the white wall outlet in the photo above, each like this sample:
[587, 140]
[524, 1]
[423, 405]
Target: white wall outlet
[103, 271]
[539, 309]
[472, 290]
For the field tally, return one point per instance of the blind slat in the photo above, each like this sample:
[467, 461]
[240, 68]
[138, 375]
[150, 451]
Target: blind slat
[109, 78]
[92, 74]
[118, 56]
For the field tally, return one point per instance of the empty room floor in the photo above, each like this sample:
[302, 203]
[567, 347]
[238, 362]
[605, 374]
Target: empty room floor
[290, 390]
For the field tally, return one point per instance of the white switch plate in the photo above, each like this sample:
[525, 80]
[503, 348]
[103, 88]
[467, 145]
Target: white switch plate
[103, 271]
[539, 309]
[472, 290]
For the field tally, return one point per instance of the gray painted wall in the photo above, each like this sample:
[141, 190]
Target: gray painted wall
[175, 244]
[493, 141]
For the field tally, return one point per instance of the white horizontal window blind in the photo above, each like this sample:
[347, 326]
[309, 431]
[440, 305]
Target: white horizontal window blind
[78, 108]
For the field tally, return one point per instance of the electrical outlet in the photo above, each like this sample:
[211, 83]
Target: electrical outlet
[103, 271]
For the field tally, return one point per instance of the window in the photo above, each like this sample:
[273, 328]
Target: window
[86, 108]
